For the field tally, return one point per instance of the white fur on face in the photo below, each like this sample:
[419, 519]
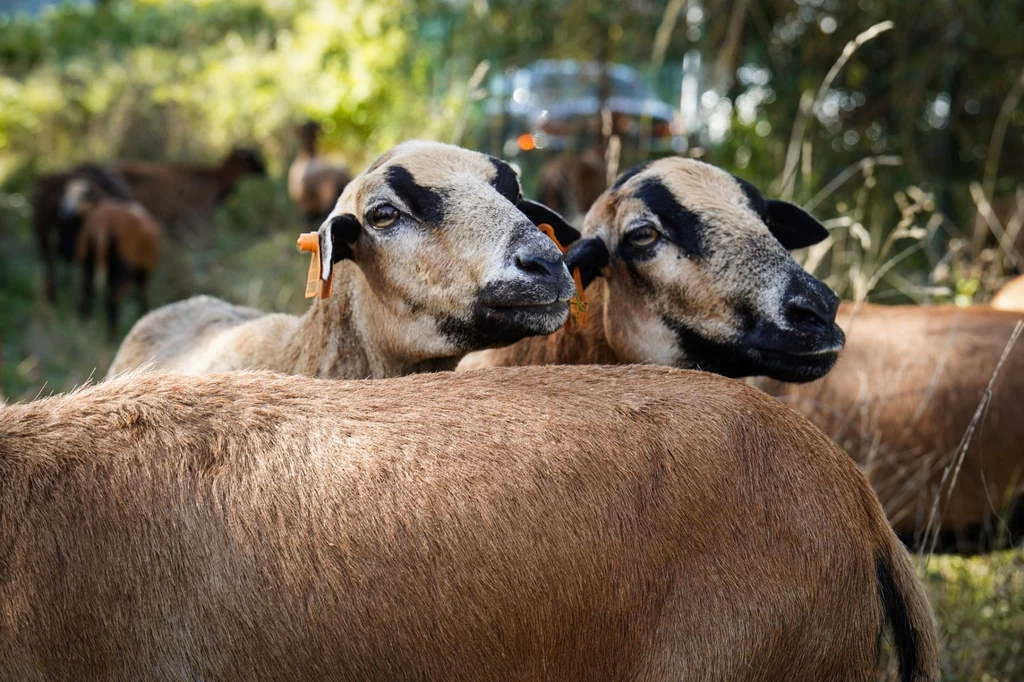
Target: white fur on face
[74, 196]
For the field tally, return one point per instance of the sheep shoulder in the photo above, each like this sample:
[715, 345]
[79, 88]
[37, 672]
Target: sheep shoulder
[161, 338]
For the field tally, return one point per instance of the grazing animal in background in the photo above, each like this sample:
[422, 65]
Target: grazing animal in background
[687, 265]
[314, 183]
[436, 257]
[116, 236]
[177, 194]
[538, 523]
[902, 399]
[1010, 296]
[58, 238]
[571, 182]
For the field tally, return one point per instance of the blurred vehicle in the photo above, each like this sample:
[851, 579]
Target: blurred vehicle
[557, 105]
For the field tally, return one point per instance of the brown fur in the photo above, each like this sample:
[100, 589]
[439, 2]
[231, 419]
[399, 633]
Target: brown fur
[54, 238]
[902, 397]
[128, 227]
[314, 183]
[1010, 296]
[573, 524]
[571, 182]
[116, 236]
[179, 193]
[390, 303]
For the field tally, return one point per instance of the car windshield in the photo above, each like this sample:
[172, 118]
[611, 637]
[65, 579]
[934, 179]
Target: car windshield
[567, 86]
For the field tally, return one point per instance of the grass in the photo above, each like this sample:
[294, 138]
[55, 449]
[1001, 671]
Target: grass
[246, 254]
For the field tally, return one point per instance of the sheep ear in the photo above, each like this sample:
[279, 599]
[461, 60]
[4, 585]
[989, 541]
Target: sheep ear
[590, 255]
[337, 235]
[794, 227]
[540, 214]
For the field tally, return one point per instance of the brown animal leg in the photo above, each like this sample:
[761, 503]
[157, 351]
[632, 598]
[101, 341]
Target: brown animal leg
[116, 281]
[88, 277]
[141, 278]
[49, 273]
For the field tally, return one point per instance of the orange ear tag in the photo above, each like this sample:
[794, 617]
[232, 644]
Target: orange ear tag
[315, 285]
[578, 307]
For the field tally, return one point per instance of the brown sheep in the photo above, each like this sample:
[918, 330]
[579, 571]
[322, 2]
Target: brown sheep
[1010, 296]
[437, 258]
[118, 237]
[178, 193]
[690, 269]
[314, 183]
[901, 400]
[55, 237]
[571, 182]
[543, 523]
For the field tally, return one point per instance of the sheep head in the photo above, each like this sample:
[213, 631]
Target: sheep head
[699, 275]
[449, 245]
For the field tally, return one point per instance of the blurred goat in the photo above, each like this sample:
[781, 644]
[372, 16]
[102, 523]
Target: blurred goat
[116, 236]
[314, 183]
[571, 182]
[908, 390]
[179, 193]
[57, 237]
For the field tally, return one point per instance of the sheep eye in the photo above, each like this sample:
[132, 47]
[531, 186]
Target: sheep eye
[643, 236]
[383, 216]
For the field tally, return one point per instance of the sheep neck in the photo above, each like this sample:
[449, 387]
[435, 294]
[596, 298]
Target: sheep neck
[356, 334]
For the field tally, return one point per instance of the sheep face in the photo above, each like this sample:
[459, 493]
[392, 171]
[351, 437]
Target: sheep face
[698, 274]
[445, 239]
[245, 161]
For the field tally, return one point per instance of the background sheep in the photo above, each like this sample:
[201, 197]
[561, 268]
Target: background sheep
[901, 399]
[571, 182]
[439, 259]
[177, 193]
[382, 531]
[314, 183]
[56, 237]
[117, 237]
[689, 268]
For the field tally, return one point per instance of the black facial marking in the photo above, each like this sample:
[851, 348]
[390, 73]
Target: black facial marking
[424, 203]
[505, 180]
[632, 172]
[754, 196]
[683, 227]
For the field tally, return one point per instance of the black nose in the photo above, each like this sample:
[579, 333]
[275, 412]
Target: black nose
[815, 309]
[536, 264]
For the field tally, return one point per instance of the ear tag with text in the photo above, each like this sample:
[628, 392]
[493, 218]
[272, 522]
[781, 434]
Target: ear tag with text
[315, 285]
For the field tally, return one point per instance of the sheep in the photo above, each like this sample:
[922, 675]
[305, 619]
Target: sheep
[116, 236]
[54, 236]
[686, 265]
[541, 523]
[901, 400]
[179, 193]
[314, 183]
[571, 182]
[1010, 296]
[437, 257]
